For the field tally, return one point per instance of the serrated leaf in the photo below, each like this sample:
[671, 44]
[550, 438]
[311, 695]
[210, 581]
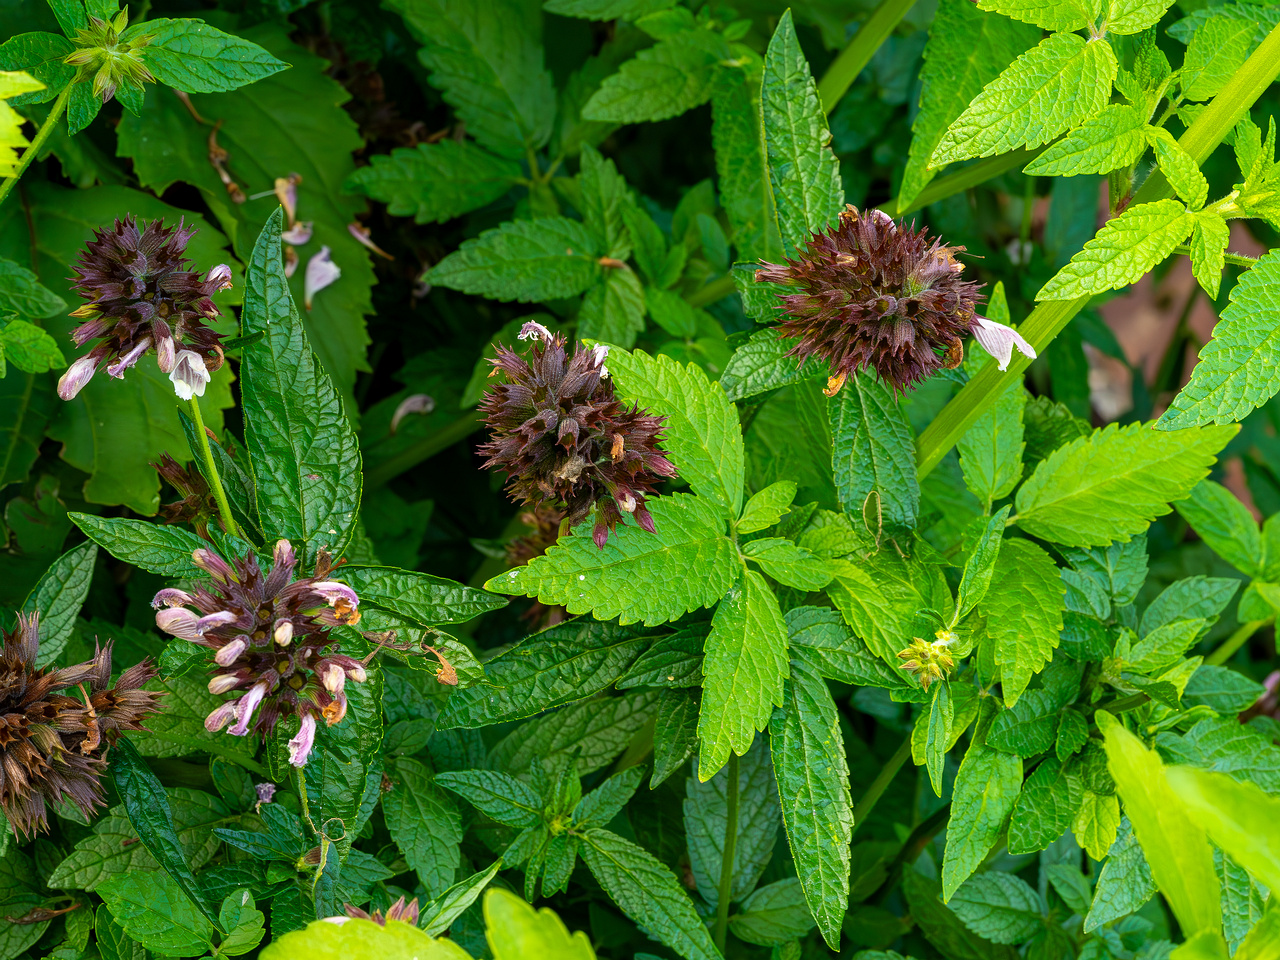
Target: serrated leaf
[767, 507]
[737, 135]
[525, 260]
[980, 565]
[761, 364]
[304, 455]
[1238, 816]
[153, 910]
[407, 599]
[1110, 485]
[965, 51]
[879, 597]
[1233, 374]
[163, 550]
[1054, 86]
[873, 451]
[613, 310]
[179, 729]
[575, 573]
[594, 731]
[744, 665]
[606, 9]
[820, 638]
[1028, 728]
[1209, 242]
[1073, 734]
[938, 735]
[790, 565]
[991, 449]
[1122, 251]
[1112, 139]
[1125, 882]
[998, 906]
[439, 913]
[488, 63]
[813, 788]
[435, 182]
[1024, 614]
[42, 55]
[773, 915]
[803, 170]
[1216, 51]
[1046, 808]
[496, 795]
[702, 435]
[1163, 647]
[675, 733]
[1180, 169]
[604, 193]
[424, 823]
[194, 57]
[29, 348]
[1049, 14]
[647, 892]
[663, 81]
[1221, 689]
[58, 596]
[941, 927]
[1134, 16]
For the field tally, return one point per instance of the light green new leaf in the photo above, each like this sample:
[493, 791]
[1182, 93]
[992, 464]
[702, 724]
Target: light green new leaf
[661, 82]
[1237, 815]
[873, 451]
[1114, 138]
[191, 56]
[767, 507]
[435, 182]
[1134, 16]
[1122, 251]
[981, 563]
[1050, 14]
[1216, 51]
[744, 664]
[516, 931]
[790, 565]
[998, 906]
[424, 823]
[938, 738]
[688, 563]
[1179, 168]
[1234, 372]
[1175, 846]
[966, 51]
[1054, 86]
[613, 310]
[486, 59]
[525, 260]
[1023, 608]
[154, 911]
[813, 787]
[29, 348]
[702, 436]
[647, 892]
[741, 167]
[991, 449]
[1096, 823]
[1208, 248]
[802, 168]
[1110, 485]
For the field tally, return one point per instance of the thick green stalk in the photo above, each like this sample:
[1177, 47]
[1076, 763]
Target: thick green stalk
[211, 471]
[965, 178]
[846, 67]
[1236, 641]
[1047, 320]
[881, 783]
[726, 859]
[424, 449]
[42, 135]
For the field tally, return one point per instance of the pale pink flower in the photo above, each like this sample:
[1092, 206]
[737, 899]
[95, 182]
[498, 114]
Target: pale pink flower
[999, 340]
[321, 271]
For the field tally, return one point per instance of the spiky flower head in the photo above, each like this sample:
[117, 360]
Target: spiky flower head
[52, 742]
[404, 912]
[197, 506]
[566, 440]
[929, 660]
[142, 296]
[879, 295]
[271, 642]
[101, 54]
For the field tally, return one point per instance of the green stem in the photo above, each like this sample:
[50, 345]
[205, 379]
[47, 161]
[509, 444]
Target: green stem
[846, 67]
[881, 783]
[304, 801]
[1236, 641]
[42, 135]
[726, 859]
[1048, 319]
[965, 178]
[1239, 259]
[424, 449]
[713, 291]
[211, 468]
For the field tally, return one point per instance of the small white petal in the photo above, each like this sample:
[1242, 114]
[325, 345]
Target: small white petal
[999, 340]
[299, 233]
[534, 329]
[321, 271]
[189, 375]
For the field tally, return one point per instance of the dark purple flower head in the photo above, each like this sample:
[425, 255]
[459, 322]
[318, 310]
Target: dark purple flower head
[52, 738]
[271, 643]
[874, 294]
[566, 440]
[141, 296]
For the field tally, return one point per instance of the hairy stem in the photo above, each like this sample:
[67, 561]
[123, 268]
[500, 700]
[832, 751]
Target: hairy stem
[211, 468]
[846, 67]
[1236, 641]
[1048, 319]
[726, 860]
[424, 449]
[881, 783]
[1239, 259]
[42, 135]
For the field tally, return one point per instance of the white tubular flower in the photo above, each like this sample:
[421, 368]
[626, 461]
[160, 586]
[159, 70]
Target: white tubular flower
[221, 276]
[189, 375]
[245, 707]
[598, 354]
[999, 340]
[228, 653]
[223, 682]
[300, 746]
[77, 375]
[534, 329]
[299, 233]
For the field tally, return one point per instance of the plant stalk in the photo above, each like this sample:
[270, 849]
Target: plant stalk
[1236, 641]
[1048, 319]
[1239, 259]
[881, 783]
[424, 449]
[42, 135]
[726, 860]
[846, 67]
[964, 179]
[215, 481]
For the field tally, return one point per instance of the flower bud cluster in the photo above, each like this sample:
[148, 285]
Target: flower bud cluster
[927, 660]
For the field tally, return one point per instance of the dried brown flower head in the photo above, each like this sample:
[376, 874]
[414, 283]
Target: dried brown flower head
[566, 440]
[52, 742]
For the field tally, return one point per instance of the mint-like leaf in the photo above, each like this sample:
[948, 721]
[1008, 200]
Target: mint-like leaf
[663, 81]
[435, 182]
[525, 260]
[1114, 138]
[194, 57]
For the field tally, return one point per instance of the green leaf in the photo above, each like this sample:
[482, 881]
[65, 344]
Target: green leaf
[1238, 816]
[163, 550]
[1096, 823]
[26, 405]
[179, 729]
[1232, 375]
[153, 910]
[425, 825]
[112, 942]
[1122, 251]
[42, 55]
[1163, 647]
[942, 927]
[524, 260]
[1221, 689]
[965, 51]
[606, 9]
[813, 788]
[595, 731]
[1124, 883]
[1046, 808]
[575, 573]
[991, 450]
[488, 64]
[408, 600]
[1114, 138]
[1028, 728]
[706, 816]
[194, 57]
[58, 596]
[1179, 168]
[985, 791]
[675, 733]
[604, 193]
[998, 906]
[981, 564]
[366, 940]
[438, 914]
[1110, 485]
[282, 839]
[820, 638]
[606, 801]
[570, 661]
[702, 435]
[663, 81]
[878, 597]
[496, 795]
[1134, 16]
[435, 182]
[672, 661]
[1209, 242]
[22, 294]
[29, 348]
[1189, 598]
[1217, 50]
[773, 914]
[761, 364]
[1024, 614]
[873, 451]
[243, 922]
[1073, 734]
[1050, 14]
[790, 565]
[743, 669]
[613, 311]
[1054, 86]
[802, 168]
[1175, 846]
[647, 892]
[767, 507]
[742, 173]
[938, 737]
